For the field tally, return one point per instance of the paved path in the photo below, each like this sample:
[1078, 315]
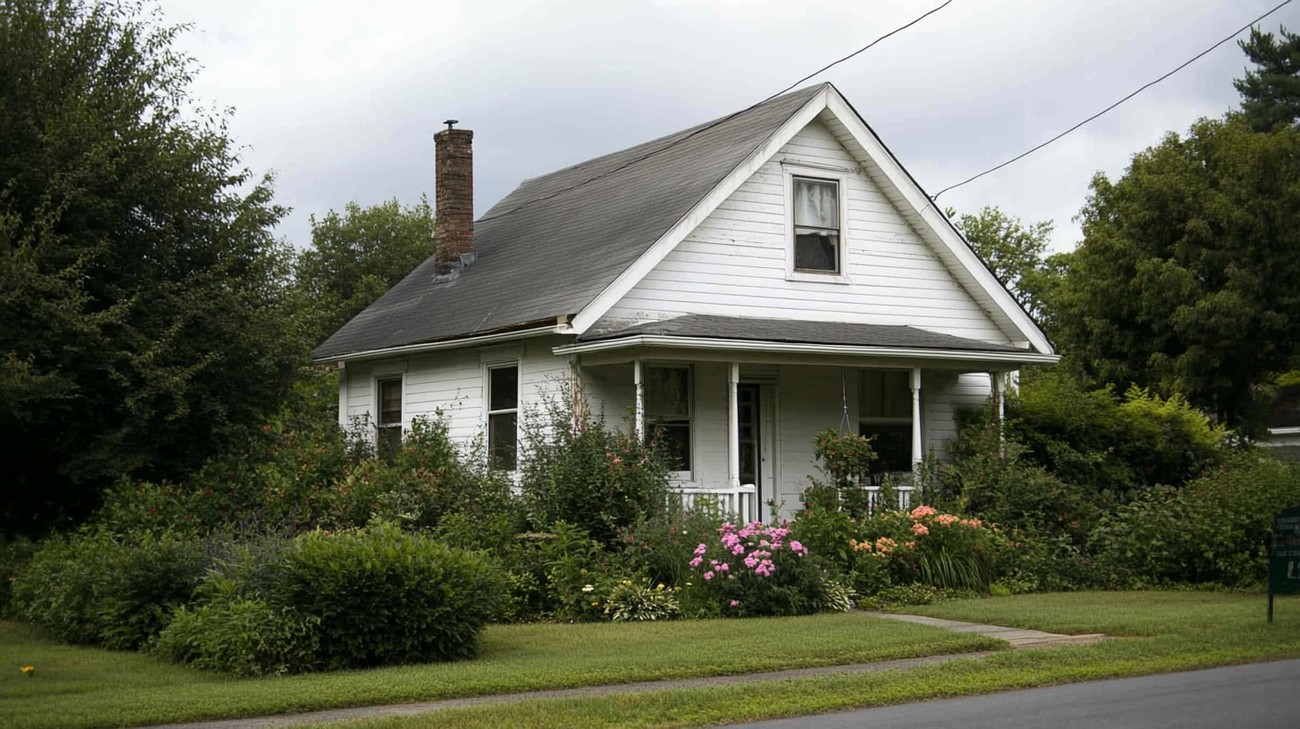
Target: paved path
[1017, 638]
[1258, 696]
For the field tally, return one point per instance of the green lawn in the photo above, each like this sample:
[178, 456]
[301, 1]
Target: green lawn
[83, 687]
[1163, 631]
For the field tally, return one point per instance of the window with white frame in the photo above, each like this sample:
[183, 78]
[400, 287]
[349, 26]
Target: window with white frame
[388, 436]
[668, 413]
[816, 225]
[503, 416]
[885, 415]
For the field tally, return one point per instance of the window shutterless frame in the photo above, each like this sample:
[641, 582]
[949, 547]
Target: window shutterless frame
[815, 213]
[503, 415]
[670, 409]
[388, 423]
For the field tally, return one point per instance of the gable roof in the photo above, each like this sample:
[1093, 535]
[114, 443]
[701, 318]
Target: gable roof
[554, 244]
[574, 242]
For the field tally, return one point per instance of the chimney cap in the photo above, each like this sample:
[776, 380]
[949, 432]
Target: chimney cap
[449, 122]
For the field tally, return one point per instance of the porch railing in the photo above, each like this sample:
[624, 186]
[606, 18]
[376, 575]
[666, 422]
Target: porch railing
[875, 496]
[740, 501]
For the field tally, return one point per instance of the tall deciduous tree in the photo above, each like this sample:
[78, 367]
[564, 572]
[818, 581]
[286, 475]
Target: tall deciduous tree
[1270, 94]
[1013, 251]
[1188, 277]
[357, 256]
[142, 294]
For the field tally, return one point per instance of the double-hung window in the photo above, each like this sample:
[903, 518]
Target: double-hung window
[816, 225]
[388, 440]
[668, 412]
[885, 415]
[503, 416]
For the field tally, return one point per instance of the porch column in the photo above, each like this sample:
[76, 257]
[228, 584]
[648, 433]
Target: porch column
[733, 426]
[918, 451]
[638, 378]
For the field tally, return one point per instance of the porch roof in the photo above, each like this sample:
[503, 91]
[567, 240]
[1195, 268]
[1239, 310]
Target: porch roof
[790, 335]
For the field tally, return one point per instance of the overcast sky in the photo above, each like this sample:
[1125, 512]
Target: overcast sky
[341, 98]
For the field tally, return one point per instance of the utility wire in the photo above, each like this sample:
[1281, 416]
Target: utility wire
[713, 124]
[832, 64]
[1185, 64]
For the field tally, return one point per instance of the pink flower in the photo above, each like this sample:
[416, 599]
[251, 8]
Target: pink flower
[707, 576]
[734, 603]
[920, 529]
[697, 561]
[701, 549]
[724, 567]
[617, 459]
[795, 546]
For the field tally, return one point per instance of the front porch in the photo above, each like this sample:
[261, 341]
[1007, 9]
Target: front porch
[740, 418]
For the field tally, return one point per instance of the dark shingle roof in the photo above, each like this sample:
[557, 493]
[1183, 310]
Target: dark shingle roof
[802, 332]
[557, 241]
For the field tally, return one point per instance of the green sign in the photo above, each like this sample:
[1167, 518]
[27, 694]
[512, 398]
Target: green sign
[1284, 556]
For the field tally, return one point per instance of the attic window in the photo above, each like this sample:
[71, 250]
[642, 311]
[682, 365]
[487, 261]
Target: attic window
[816, 225]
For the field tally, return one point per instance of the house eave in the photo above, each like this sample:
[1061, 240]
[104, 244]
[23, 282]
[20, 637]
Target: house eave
[454, 343]
[746, 345]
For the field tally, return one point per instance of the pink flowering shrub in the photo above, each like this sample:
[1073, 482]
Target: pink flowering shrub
[759, 569]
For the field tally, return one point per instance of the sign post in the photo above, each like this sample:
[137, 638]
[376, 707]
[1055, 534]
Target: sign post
[1284, 556]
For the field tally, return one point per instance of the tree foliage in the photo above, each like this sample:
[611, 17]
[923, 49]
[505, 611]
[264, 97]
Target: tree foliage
[357, 256]
[1188, 277]
[142, 294]
[1270, 94]
[1014, 252]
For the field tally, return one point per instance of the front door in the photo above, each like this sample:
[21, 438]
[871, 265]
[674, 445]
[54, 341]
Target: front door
[749, 400]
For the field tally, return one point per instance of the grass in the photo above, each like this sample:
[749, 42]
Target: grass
[1163, 631]
[84, 687]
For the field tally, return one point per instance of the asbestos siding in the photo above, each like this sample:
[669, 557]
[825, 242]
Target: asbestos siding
[735, 262]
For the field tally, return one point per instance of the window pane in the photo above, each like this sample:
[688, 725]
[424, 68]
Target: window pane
[892, 444]
[503, 440]
[816, 204]
[816, 251]
[389, 443]
[390, 401]
[505, 388]
[667, 393]
[673, 440]
[884, 394]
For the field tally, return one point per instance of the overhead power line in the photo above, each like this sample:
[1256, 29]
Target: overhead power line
[713, 124]
[1144, 87]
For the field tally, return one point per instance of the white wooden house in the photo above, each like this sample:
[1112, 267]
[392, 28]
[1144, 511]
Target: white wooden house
[739, 285]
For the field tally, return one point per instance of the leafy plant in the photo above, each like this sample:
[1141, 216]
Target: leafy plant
[758, 569]
[637, 601]
[241, 637]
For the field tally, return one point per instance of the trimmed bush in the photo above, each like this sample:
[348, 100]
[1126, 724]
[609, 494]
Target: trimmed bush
[242, 637]
[383, 596]
[98, 588]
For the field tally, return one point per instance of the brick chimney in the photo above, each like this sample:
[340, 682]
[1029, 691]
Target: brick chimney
[454, 195]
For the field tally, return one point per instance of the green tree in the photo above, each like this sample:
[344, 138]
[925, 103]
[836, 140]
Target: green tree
[1188, 277]
[1014, 252]
[1270, 94]
[357, 256]
[142, 295]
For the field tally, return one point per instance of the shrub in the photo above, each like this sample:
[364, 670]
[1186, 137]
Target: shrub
[241, 637]
[1210, 531]
[661, 546]
[574, 469]
[426, 480]
[926, 546]
[560, 575]
[94, 587]
[383, 596]
[756, 570]
[14, 556]
[1110, 444]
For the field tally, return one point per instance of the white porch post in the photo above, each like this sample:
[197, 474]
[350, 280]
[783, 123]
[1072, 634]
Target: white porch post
[918, 450]
[733, 426]
[638, 378]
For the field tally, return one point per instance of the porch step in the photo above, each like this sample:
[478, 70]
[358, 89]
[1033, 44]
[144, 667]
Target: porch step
[1017, 637]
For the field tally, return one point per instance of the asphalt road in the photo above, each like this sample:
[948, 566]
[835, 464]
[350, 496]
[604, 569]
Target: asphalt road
[1257, 696]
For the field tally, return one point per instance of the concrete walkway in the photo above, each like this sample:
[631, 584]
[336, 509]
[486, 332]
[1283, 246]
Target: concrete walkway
[1016, 637]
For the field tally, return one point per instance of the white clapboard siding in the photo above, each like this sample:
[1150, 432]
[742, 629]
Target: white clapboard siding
[944, 396]
[734, 263]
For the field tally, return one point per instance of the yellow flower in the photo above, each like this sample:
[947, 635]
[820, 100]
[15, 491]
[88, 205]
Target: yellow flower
[28, 671]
